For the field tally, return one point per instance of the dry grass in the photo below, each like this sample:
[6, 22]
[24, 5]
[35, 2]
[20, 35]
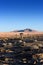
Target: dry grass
[17, 34]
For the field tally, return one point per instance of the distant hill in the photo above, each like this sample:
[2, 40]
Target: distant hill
[25, 30]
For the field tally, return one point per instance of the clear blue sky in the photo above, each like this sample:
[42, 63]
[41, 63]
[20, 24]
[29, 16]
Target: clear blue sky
[21, 14]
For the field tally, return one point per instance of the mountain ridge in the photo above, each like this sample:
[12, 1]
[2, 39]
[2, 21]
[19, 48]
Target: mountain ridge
[25, 30]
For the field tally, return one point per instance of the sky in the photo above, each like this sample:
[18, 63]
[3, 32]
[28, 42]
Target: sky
[21, 14]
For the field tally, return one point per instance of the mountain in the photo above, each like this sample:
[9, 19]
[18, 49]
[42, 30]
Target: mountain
[25, 30]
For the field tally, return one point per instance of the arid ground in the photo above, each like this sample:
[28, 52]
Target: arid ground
[21, 48]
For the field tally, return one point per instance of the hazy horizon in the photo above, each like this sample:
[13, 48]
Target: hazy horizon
[21, 14]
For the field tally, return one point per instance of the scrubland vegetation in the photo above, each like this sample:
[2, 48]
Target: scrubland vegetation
[21, 50]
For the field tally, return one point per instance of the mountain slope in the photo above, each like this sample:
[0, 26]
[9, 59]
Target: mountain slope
[25, 30]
